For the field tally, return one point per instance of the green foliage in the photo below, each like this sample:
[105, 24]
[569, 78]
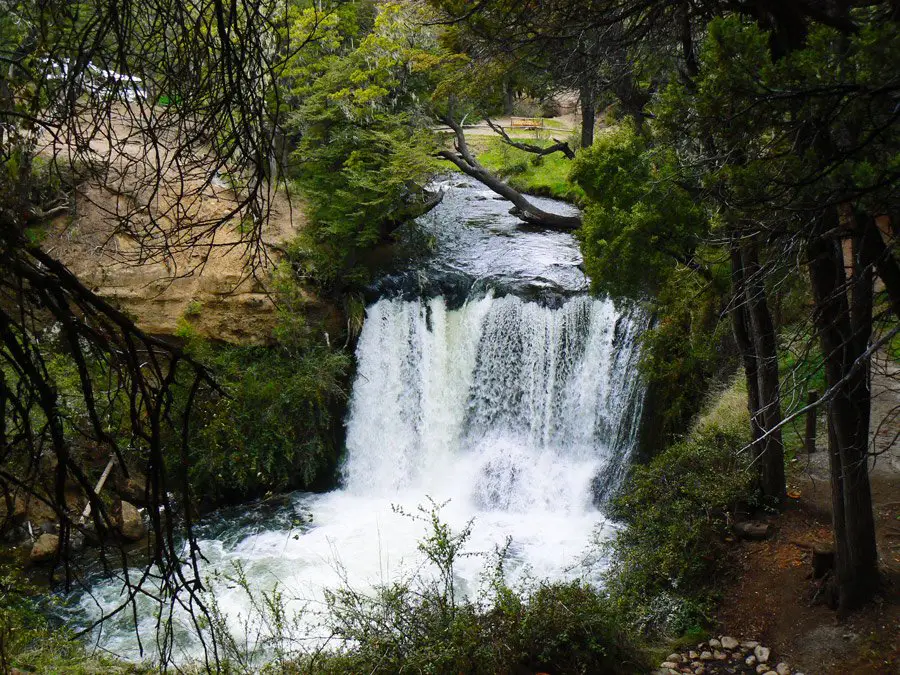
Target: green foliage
[767, 118]
[276, 424]
[683, 352]
[643, 236]
[274, 429]
[801, 370]
[364, 148]
[194, 308]
[675, 512]
[893, 348]
[639, 223]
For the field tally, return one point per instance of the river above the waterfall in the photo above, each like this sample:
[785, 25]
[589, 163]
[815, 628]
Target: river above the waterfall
[470, 243]
[487, 382]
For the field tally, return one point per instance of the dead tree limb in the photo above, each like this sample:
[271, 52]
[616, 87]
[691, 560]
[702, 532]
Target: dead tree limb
[558, 146]
[462, 157]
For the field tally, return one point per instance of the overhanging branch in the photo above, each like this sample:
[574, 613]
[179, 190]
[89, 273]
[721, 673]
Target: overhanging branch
[463, 159]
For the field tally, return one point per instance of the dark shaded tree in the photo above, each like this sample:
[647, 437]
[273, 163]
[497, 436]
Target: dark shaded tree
[148, 102]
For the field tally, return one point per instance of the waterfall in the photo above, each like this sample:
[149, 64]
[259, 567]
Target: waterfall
[524, 406]
[518, 416]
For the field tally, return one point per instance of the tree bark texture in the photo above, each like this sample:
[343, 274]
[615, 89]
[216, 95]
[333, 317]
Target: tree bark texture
[522, 208]
[588, 115]
[762, 331]
[741, 327]
[844, 326]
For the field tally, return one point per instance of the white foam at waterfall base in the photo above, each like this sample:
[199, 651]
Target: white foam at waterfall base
[507, 409]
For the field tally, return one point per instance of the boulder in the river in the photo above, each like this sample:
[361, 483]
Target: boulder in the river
[131, 525]
[45, 548]
[133, 488]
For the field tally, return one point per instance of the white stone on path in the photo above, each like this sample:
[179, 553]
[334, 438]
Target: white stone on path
[729, 643]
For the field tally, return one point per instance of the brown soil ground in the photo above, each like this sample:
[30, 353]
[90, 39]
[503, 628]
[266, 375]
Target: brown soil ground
[772, 597]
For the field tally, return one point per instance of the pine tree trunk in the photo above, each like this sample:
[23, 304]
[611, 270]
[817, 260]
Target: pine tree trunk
[588, 115]
[740, 323]
[509, 97]
[844, 331]
[762, 332]
[874, 249]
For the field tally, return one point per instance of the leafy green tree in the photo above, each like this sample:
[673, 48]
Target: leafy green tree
[640, 225]
[365, 149]
[793, 132]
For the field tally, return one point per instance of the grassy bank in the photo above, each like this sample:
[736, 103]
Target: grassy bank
[542, 176]
[676, 511]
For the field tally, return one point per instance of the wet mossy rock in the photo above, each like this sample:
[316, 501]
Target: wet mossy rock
[45, 548]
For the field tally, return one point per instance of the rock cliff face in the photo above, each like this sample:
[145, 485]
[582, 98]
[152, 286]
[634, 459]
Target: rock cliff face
[217, 288]
[156, 229]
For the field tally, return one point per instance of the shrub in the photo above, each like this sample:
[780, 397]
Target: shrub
[685, 351]
[277, 427]
[675, 512]
[422, 624]
[194, 308]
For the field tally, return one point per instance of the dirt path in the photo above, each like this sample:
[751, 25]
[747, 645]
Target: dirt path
[772, 597]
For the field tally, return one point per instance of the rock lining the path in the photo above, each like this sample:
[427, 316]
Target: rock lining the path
[724, 655]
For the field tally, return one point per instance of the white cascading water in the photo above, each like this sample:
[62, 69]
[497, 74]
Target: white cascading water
[503, 405]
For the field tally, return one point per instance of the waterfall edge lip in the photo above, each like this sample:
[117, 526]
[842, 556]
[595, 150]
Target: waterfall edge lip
[457, 289]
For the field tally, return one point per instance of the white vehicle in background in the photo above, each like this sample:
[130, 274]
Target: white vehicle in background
[108, 82]
[98, 81]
